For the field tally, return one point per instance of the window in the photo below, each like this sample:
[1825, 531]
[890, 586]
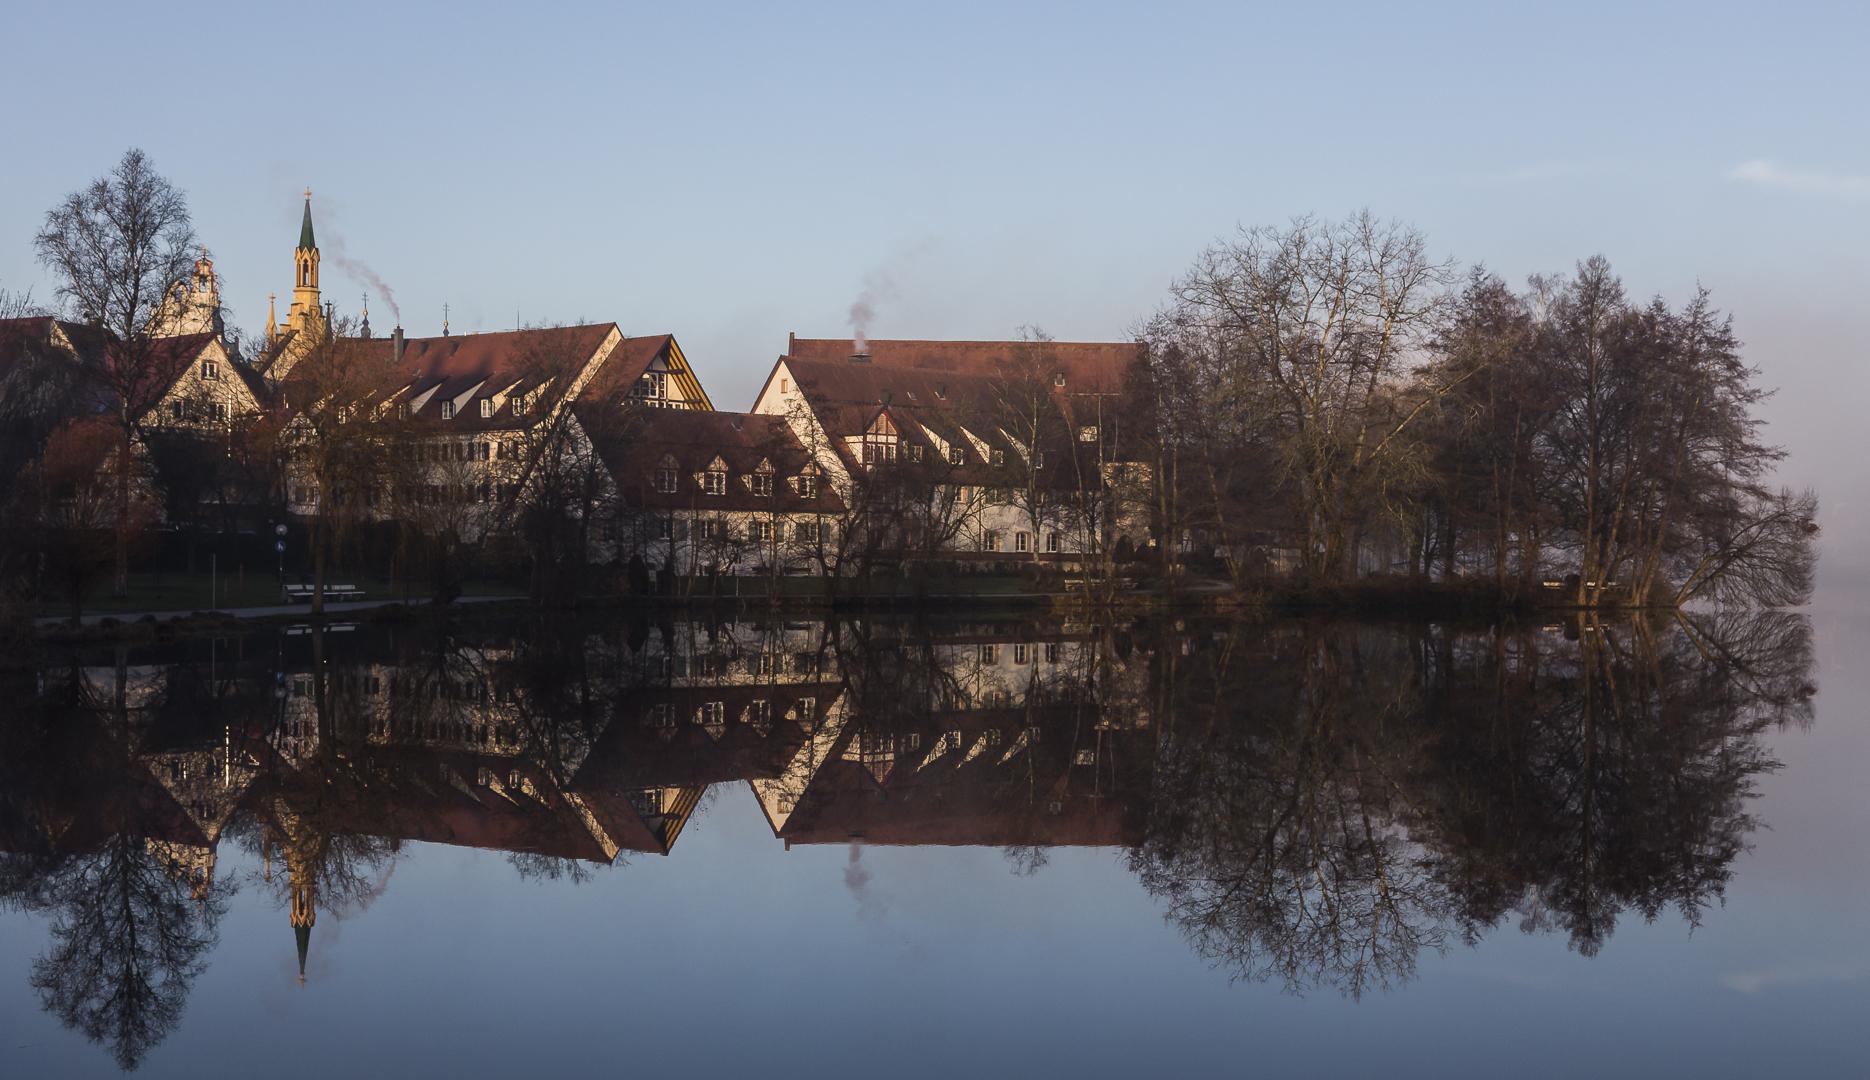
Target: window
[915, 453]
[1051, 653]
[681, 529]
[957, 456]
[218, 410]
[763, 484]
[999, 458]
[1085, 757]
[714, 712]
[654, 385]
[990, 541]
[1087, 433]
[1054, 542]
[805, 664]
[806, 532]
[763, 532]
[941, 390]
[520, 405]
[402, 411]
[808, 707]
[712, 529]
[1058, 379]
[1022, 541]
[760, 712]
[665, 529]
[486, 451]
[665, 481]
[486, 407]
[661, 716]
[1022, 653]
[1038, 459]
[990, 654]
[176, 411]
[783, 386]
[714, 482]
[448, 410]
[808, 487]
[763, 665]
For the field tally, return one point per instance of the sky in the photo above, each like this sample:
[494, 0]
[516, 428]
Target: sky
[730, 174]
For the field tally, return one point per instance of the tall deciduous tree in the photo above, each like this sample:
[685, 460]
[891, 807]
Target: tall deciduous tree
[1296, 337]
[116, 247]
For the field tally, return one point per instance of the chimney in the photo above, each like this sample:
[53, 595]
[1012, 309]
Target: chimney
[788, 343]
[860, 358]
[396, 346]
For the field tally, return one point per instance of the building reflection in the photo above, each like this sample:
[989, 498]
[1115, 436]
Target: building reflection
[1313, 803]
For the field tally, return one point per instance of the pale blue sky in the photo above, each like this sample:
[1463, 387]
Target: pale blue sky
[729, 174]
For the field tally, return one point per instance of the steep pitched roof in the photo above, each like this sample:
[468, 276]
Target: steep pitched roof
[695, 441]
[1081, 361]
[497, 367]
[306, 242]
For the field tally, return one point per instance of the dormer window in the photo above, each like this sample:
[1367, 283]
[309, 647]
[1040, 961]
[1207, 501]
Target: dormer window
[941, 390]
[915, 453]
[520, 405]
[714, 482]
[999, 458]
[448, 410]
[402, 411]
[486, 408]
[1058, 380]
[665, 481]
[957, 456]
[762, 484]
[1087, 433]
[808, 487]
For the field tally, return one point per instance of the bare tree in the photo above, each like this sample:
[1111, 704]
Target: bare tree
[1301, 331]
[116, 248]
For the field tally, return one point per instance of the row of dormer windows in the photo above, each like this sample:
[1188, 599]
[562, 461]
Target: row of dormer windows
[714, 482]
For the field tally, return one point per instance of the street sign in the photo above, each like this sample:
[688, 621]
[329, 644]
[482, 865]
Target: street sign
[280, 546]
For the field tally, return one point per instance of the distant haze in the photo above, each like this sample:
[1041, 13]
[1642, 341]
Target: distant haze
[731, 175]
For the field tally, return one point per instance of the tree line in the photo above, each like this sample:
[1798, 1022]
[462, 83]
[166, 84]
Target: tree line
[1329, 394]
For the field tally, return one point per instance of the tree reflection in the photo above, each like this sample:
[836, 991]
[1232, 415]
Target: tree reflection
[132, 919]
[128, 939]
[1332, 800]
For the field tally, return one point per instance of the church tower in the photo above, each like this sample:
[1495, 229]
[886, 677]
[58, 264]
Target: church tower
[305, 314]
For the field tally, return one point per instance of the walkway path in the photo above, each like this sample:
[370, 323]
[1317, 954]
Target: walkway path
[331, 608]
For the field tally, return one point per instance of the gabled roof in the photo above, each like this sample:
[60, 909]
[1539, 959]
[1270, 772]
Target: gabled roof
[744, 442]
[634, 358]
[1101, 363]
[934, 389]
[495, 367]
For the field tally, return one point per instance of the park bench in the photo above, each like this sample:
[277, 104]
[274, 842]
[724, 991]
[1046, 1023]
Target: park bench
[295, 594]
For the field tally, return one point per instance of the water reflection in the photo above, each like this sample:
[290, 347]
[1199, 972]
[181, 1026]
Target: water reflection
[1313, 803]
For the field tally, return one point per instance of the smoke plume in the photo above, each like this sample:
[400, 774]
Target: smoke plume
[870, 907]
[331, 249]
[877, 288]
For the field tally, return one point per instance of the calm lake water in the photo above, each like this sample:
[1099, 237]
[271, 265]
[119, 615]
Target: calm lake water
[981, 846]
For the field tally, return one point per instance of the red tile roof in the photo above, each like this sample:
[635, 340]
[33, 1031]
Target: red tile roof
[693, 441]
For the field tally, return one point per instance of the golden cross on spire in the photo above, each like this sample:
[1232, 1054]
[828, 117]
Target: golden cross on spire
[308, 194]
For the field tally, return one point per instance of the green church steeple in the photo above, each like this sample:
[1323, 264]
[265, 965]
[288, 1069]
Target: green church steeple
[306, 243]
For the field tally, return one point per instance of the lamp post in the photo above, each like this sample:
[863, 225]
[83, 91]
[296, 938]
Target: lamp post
[280, 547]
